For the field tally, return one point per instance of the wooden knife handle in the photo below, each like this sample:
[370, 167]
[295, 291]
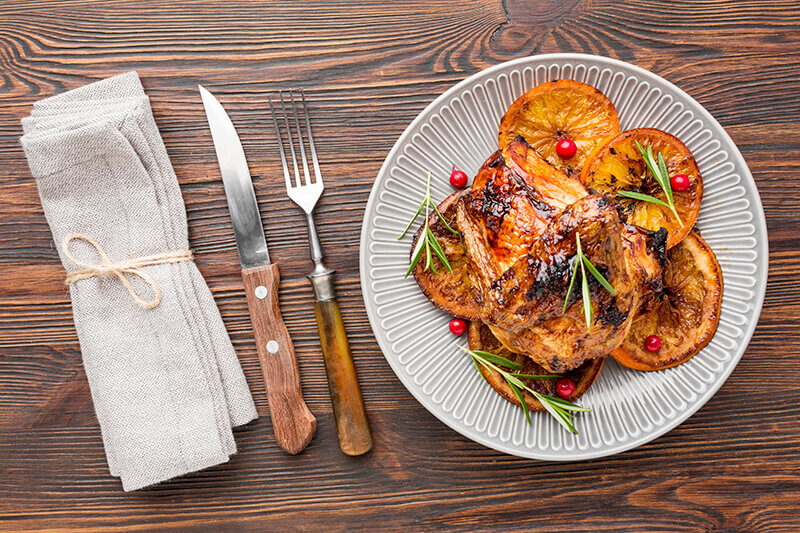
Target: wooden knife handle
[352, 425]
[293, 423]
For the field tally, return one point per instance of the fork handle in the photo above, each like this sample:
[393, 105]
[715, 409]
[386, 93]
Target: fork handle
[293, 423]
[352, 425]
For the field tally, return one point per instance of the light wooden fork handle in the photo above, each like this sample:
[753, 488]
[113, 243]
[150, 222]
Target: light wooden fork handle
[293, 423]
[352, 425]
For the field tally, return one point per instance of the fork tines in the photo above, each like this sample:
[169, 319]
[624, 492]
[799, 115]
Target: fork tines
[291, 136]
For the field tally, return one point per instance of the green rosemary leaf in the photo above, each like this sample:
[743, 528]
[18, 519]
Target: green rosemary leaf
[643, 197]
[567, 405]
[475, 362]
[584, 263]
[661, 175]
[412, 221]
[427, 252]
[534, 376]
[559, 409]
[647, 156]
[662, 168]
[428, 243]
[598, 276]
[587, 299]
[437, 249]
[441, 218]
[558, 414]
[515, 381]
[675, 212]
[497, 359]
[651, 163]
[417, 255]
[571, 283]
[522, 401]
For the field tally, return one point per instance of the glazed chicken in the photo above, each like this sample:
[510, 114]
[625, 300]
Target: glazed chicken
[518, 226]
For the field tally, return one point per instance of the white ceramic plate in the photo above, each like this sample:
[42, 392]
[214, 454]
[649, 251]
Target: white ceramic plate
[630, 407]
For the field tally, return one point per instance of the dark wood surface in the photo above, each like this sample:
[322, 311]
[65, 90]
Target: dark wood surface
[368, 69]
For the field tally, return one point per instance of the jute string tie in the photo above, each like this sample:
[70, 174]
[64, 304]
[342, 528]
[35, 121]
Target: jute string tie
[122, 269]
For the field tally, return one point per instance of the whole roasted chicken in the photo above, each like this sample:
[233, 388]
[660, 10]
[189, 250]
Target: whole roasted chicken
[515, 253]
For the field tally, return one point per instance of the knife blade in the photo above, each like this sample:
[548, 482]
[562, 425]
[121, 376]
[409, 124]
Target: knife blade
[247, 228]
[293, 423]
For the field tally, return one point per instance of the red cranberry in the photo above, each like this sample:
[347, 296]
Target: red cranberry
[458, 326]
[565, 148]
[565, 387]
[458, 178]
[652, 343]
[679, 182]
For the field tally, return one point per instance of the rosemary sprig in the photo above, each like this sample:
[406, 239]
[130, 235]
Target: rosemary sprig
[560, 409]
[585, 264]
[659, 172]
[427, 243]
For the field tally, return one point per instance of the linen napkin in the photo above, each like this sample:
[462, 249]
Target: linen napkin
[166, 383]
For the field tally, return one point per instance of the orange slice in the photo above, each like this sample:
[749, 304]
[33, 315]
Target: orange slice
[561, 109]
[481, 338]
[618, 165]
[684, 315]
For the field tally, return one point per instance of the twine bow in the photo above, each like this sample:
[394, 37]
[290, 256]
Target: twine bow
[122, 269]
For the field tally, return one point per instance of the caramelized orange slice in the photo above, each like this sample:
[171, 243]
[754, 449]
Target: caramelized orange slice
[684, 315]
[557, 110]
[618, 165]
[481, 338]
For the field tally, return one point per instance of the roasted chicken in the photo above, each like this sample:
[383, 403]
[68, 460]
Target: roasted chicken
[513, 263]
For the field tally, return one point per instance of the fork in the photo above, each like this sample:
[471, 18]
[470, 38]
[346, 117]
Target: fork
[352, 425]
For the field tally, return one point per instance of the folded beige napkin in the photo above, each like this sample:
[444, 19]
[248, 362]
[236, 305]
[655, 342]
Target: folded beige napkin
[166, 383]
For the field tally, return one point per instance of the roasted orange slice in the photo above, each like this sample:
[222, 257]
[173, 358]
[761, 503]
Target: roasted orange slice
[481, 338]
[557, 110]
[683, 316]
[620, 166]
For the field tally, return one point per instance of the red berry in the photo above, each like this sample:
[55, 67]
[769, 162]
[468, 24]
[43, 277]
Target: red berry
[458, 326]
[565, 387]
[652, 343]
[679, 182]
[458, 178]
[565, 148]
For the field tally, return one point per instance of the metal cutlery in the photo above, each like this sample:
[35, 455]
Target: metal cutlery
[293, 423]
[352, 425]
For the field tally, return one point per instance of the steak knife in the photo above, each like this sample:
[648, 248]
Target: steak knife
[293, 423]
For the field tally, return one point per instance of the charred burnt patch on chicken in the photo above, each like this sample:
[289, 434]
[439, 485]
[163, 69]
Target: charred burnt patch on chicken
[550, 277]
[610, 315]
[658, 244]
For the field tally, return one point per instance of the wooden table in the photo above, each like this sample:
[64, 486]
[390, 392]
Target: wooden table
[368, 69]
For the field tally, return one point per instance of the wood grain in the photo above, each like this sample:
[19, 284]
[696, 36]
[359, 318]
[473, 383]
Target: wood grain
[349, 412]
[368, 69]
[292, 422]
